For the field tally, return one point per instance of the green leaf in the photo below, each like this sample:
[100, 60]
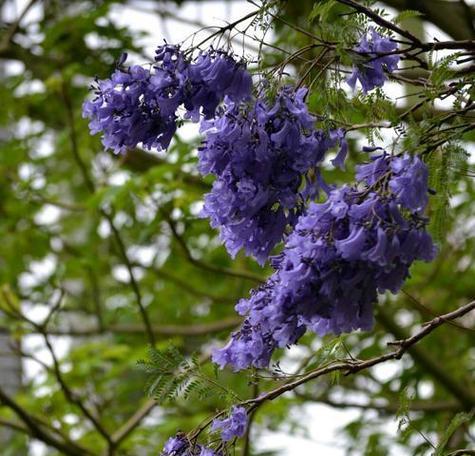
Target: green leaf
[455, 423]
[321, 10]
[405, 15]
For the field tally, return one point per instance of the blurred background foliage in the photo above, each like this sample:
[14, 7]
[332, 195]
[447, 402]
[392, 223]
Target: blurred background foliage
[91, 241]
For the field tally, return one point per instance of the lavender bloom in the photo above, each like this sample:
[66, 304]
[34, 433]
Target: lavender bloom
[181, 446]
[369, 68]
[341, 254]
[260, 153]
[233, 426]
[350, 248]
[410, 182]
[175, 446]
[251, 345]
[226, 76]
[338, 136]
[139, 106]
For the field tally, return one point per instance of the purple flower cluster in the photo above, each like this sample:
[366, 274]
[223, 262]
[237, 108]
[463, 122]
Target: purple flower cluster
[361, 241]
[233, 426]
[375, 54]
[260, 153]
[181, 446]
[138, 105]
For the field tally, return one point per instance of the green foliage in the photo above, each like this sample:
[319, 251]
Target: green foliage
[458, 420]
[446, 166]
[405, 15]
[172, 376]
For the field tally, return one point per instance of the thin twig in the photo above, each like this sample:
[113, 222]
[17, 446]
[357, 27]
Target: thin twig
[227, 27]
[391, 408]
[71, 396]
[132, 422]
[381, 21]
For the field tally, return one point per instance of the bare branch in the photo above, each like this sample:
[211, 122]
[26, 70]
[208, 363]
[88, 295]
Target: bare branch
[415, 42]
[427, 362]
[350, 366]
[451, 17]
[14, 26]
[381, 21]
[70, 395]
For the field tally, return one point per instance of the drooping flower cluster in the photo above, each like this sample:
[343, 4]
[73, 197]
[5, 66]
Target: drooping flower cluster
[260, 153]
[233, 426]
[265, 157]
[361, 241]
[139, 106]
[181, 446]
[375, 54]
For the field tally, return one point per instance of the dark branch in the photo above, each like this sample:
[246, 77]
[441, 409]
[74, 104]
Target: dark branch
[381, 21]
[159, 330]
[451, 17]
[351, 366]
[38, 432]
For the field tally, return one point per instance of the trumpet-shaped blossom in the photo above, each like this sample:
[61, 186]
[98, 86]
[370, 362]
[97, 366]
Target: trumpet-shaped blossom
[410, 182]
[375, 54]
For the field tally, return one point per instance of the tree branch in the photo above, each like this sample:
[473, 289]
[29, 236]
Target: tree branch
[186, 286]
[205, 266]
[70, 395]
[117, 236]
[159, 330]
[427, 362]
[14, 26]
[416, 43]
[139, 160]
[449, 16]
[377, 19]
[36, 430]
[133, 422]
[389, 408]
[351, 366]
